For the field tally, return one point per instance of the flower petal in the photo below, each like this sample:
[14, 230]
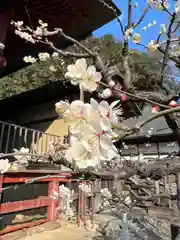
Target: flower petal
[94, 104]
[91, 70]
[81, 64]
[89, 85]
[104, 107]
[105, 142]
[97, 76]
[114, 103]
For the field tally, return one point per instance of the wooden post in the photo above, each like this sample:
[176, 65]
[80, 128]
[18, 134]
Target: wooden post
[53, 190]
[157, 191]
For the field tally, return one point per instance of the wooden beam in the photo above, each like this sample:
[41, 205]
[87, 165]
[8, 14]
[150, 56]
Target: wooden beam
[24, 205]
[11, 228]
[23, 179]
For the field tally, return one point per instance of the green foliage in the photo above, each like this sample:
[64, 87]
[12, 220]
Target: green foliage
[145, 68]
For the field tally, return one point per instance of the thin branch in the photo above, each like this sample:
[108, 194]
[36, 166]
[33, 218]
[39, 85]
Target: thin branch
[161, 50]
[116, 15]
[59, 31]
[166, 53]
[129, 13]
[150, 119]
[65, 53]
[165, 9]
[142, 17]
[133, 96]
[171, 40]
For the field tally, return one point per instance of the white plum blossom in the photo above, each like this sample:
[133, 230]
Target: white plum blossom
[43, 56]
[28, 37]
[18, 24]
[22, 159]
[86, 188]
[29, 59]
[136, 38]
[42, 24]
[4, 165]
[163, 29]
[144, 28]
[55, 55]
[152, 46]
[106, 193]
[177, 6]
[111, 112]
[106, 93]
[61, 107]
[151, 24]
[102, 147]
[128, 33]
[52, 68]
[111, 84]
[90, 126]
[79, 73]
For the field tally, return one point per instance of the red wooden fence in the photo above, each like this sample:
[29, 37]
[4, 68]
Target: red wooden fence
[50, 201]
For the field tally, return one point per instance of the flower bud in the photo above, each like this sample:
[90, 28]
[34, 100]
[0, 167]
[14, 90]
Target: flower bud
[106, 93]
[123, 97]
[173, 104]
[111, 84]
[155, 109]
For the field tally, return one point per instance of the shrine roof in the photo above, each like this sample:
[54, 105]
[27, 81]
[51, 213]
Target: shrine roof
[77, 18]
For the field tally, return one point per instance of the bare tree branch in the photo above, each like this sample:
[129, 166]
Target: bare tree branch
[166, 53]
[143, 123]
[142, 17]
[115, 13]
[59, 31]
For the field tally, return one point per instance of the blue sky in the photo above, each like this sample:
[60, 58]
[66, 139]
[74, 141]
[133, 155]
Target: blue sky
[151, 34]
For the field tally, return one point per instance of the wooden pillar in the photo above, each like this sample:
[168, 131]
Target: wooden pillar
[53, 193]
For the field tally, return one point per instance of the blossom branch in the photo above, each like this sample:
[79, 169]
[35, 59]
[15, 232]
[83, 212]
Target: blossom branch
[165, 8]
[137, 95]
[143, 123]
[59, 31]
[65, 53]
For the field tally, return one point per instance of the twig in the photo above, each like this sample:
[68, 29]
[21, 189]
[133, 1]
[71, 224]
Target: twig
[136, 97]
[166, 51]
[81, 92]
[65, 53]
[116, 15]
[143, 123]
[59, 31]
[165, 9]
[142, 17]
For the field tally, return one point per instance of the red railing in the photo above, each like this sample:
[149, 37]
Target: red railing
[51, 202]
